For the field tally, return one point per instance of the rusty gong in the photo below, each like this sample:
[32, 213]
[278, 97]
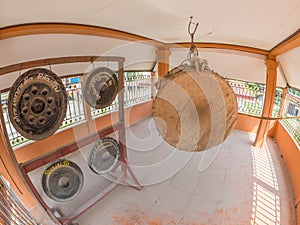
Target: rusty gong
[37, 104]
[62, 181]
[194, 109]
[104, 155]
[100, 88]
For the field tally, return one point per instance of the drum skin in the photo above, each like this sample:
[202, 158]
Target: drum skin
[194, 110]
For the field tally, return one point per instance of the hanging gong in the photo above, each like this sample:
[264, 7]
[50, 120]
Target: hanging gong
[37, 104]
[100, 88]
[104, 155]
[62, 181]
[194, 109]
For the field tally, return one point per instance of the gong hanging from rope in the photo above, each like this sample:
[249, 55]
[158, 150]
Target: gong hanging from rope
[100, 88]
[37, 104]
[195, 108]
[104, 155]
[62, 181]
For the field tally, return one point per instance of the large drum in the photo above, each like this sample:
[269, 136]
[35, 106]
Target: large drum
[195, 109]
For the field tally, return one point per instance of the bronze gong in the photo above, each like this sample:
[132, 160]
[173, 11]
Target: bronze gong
[194, 109]
[100, 88]
[62, 181]
[104, 155]
[37, 104]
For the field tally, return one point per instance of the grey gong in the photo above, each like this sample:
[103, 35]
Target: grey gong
[62, 181]
[104, 155]
[37, 104]
[100, 88]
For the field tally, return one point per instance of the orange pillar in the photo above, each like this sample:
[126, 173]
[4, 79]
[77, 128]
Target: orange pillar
[153, 81]
[163, 54]
[262, 132]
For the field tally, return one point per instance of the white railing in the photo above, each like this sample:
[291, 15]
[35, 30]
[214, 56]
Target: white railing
[137, 90]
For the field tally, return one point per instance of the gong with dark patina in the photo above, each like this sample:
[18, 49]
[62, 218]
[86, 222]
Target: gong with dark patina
[62, 181]
[37, 104]
[104, 155]
[194, 110]
[100, 88]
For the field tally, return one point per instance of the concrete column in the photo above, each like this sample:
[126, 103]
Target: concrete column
[271, 79]
[163, 54]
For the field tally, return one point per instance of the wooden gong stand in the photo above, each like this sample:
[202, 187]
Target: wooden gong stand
[125, 170]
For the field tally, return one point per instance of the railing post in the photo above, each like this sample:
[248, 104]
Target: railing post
[271, 78]
[282, 106]
[87, 109]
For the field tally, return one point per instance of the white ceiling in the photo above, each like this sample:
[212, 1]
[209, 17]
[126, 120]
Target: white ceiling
[290, 66]
[256, 23]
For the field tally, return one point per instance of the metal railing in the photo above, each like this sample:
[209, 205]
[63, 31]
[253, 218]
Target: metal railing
[250, 97]
[137, 90]
[292, 108]
[11, 209]
[75, 109]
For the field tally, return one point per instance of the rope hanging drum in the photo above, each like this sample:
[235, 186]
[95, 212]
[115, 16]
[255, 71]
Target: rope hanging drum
[195, 108]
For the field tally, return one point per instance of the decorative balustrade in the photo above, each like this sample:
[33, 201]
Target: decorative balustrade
[291, 109]
[137, 90]
[11, 209]
[250, 97]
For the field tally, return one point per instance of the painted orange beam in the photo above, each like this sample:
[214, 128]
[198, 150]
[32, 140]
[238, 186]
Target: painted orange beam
[291, 42]
[69, 28]
[58, 60]
[221, 46]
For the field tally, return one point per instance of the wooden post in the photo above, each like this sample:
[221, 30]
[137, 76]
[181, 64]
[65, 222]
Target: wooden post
[153, 88]
[87, 109]
[271, 79]
[163, 54]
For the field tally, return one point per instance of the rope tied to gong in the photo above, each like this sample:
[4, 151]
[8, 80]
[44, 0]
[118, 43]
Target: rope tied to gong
[195, 108]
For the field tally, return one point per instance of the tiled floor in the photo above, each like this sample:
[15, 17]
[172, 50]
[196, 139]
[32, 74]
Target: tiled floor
[234, 183]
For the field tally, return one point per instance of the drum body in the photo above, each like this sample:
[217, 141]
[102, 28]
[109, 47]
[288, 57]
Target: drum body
[194, 110]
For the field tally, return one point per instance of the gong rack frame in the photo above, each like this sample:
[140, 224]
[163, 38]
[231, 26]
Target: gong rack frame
[122, 164]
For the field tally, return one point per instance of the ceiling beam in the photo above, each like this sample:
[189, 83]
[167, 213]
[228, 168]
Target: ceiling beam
[289, 43]
[221, 46]
[58, 60]
[67, 28]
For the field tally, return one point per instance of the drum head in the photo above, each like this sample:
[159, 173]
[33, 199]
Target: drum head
[62, 181]
[194, 110]
[104, 156]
